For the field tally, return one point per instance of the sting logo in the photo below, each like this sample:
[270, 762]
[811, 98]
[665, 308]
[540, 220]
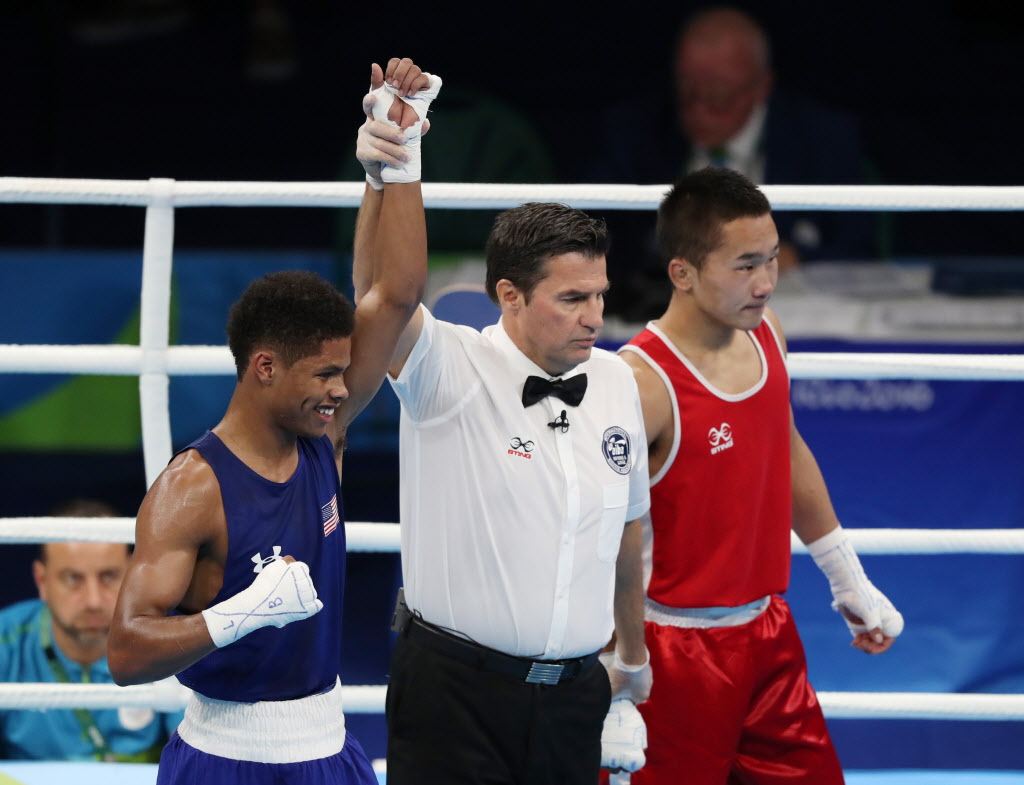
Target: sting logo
[520, 448]
[720, 438]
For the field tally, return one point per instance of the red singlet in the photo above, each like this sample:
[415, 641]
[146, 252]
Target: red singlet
[721, 505]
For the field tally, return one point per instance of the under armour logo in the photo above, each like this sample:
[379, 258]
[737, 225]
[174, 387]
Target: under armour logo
[720, 438]
[260, 562]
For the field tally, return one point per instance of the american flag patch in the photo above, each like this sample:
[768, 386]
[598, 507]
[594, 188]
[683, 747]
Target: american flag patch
[329, 512]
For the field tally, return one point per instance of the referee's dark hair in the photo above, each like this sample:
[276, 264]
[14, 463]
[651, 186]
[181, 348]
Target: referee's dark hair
[690, 218]
[525, 237]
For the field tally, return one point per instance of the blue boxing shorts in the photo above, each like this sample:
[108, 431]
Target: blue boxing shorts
[266, 743]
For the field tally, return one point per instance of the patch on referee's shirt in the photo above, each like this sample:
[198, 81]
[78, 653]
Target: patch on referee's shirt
[615, 444]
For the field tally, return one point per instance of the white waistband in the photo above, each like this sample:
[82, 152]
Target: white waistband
[268, 731]
[704, 618]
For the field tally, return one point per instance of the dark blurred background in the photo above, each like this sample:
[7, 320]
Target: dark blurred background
[269, 90]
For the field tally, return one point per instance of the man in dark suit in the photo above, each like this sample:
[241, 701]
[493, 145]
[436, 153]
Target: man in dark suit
[727, 112]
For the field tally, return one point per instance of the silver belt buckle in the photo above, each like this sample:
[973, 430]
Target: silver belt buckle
[544, 673]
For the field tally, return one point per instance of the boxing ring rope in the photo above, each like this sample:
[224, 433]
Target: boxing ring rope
[120, 360]
[165, 696]
[385, 537]
[486, 196]
[162, 196]
[153, 360]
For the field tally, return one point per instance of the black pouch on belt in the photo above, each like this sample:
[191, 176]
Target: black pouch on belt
[402, 616]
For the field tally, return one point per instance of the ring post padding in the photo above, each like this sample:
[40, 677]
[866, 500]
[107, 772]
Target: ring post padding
[154, 330]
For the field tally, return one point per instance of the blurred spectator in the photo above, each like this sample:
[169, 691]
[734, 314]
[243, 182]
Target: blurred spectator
[270, 54]
[269, 40]
[115, 21]
[62, 637]
[726, 111]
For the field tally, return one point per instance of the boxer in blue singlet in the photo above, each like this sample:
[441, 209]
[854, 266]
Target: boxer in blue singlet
[236, 581]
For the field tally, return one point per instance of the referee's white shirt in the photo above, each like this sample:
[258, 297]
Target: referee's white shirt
[511, 528]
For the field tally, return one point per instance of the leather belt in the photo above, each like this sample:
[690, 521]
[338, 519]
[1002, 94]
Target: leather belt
[519, 668]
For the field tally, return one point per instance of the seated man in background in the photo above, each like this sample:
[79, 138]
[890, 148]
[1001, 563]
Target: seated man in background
[725, 110]
[62, 637]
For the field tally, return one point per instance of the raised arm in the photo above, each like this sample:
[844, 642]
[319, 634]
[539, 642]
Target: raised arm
[390, 254]
[377, 144]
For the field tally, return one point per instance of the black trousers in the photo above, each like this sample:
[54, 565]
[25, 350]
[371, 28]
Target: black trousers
[450, 723]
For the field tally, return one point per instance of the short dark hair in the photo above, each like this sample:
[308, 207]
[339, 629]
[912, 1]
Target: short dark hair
[691, 216]
[291, 312]
[525, 237]
[79, 508]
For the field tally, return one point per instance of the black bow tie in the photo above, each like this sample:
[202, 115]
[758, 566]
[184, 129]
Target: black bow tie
[569, 390]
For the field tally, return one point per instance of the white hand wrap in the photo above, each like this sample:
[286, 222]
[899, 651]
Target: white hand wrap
[386, 95]
[851, 588]
[624, 737]
[282, 593]
[365, 153]
[628, 681]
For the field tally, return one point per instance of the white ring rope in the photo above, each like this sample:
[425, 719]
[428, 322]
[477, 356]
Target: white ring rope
[360, 536]
[121, 360]
[168, 695]
[487, 196]
[154, 360]
[386, 537]
[921, 706]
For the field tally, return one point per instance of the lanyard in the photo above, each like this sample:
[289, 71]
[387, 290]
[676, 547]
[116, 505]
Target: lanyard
[90, 730]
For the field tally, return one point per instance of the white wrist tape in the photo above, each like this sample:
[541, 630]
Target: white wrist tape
[282, 593]
[386, 95]
[851, 588]
[624, 737]
[628, 681]
[367, 155]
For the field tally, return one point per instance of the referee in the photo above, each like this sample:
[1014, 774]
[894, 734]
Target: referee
[523, 471]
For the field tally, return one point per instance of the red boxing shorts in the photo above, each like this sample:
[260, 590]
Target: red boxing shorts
[733, 705]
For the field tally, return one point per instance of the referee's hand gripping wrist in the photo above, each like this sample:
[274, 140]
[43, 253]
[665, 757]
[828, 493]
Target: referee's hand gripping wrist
[282, 593]
[378, 141]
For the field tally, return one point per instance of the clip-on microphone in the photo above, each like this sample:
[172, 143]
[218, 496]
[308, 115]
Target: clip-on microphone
[561, 421]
